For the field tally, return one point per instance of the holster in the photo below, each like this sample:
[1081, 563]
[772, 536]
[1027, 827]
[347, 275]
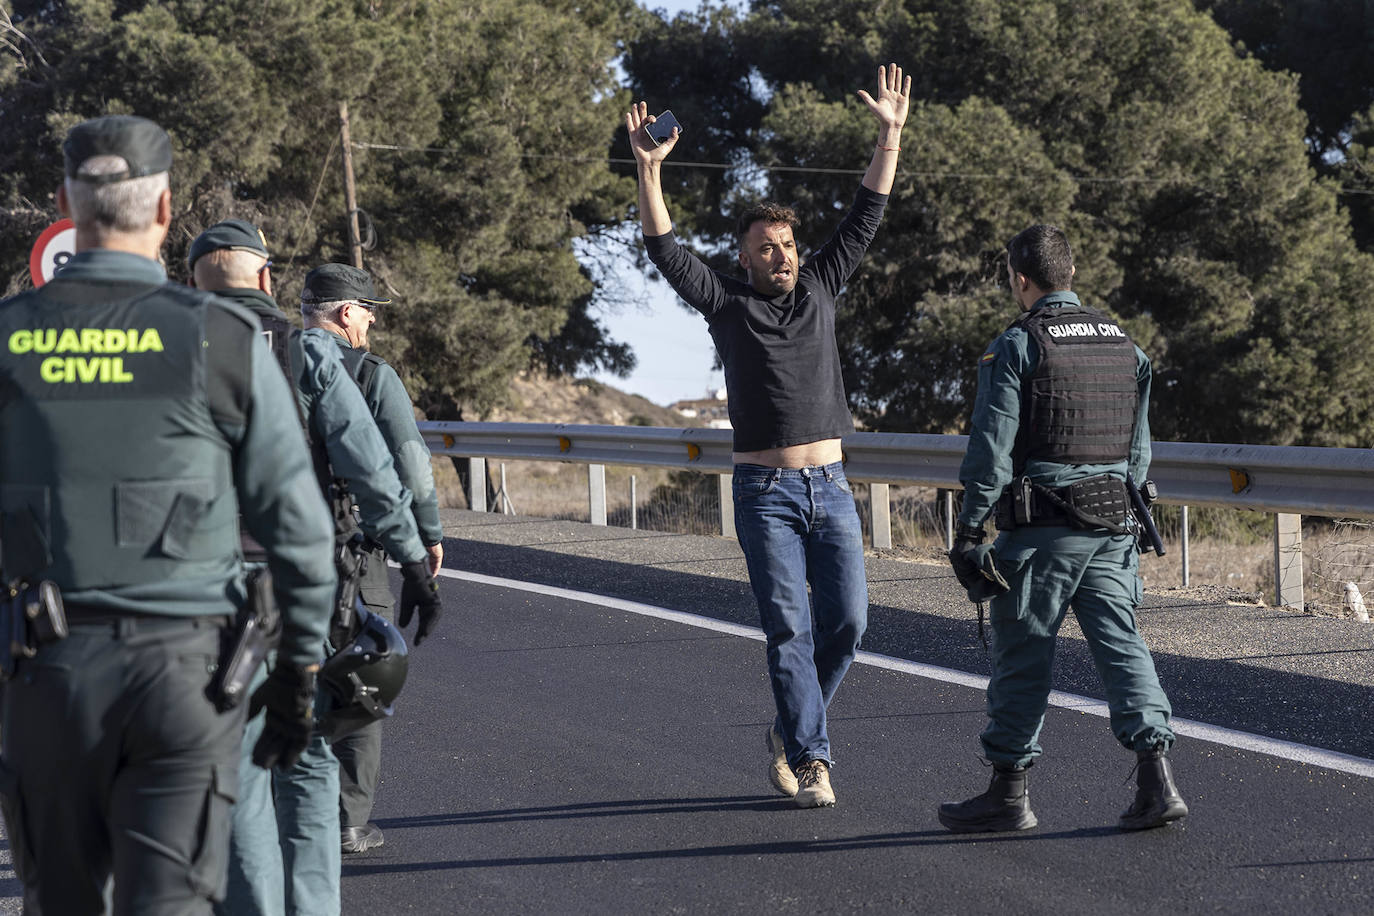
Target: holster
[256, 631]
[30, 616]
[1099, 502]
[350, 559]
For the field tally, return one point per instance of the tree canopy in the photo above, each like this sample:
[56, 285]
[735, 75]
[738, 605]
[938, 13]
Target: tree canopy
[1218, 186]
[482, 128]
[1175, 160]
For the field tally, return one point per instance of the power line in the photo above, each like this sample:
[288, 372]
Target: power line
[809, 170]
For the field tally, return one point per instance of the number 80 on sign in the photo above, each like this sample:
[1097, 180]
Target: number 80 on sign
[52, 251]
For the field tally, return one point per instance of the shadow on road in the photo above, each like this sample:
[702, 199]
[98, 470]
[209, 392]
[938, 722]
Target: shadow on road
[1228, 692]
[910, 839]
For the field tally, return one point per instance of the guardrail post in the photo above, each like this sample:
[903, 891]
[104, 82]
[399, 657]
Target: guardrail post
[949, 519]
[634, 505]
[880, 516]
[596, 492]
[1183, 541]
[477, 484]
[727, 505]
[1288, 561]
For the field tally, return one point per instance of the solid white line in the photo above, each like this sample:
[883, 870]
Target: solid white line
[1274, 747]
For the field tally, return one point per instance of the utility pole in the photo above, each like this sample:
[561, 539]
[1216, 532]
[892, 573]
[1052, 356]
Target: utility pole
[355, 243]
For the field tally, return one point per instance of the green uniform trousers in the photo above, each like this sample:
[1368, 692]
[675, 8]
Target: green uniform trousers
[116, 765]
[360, 752]
[1051, 569]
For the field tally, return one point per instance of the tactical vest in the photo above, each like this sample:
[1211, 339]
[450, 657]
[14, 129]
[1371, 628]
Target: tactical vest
[113, 469]
[285, 342]
[362, 365]
[1080, 404]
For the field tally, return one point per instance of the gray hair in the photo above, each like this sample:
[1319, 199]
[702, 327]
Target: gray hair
[325, 311]
[125, 206]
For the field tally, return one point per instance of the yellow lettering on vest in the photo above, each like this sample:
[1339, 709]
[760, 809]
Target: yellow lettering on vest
[53, 369]
[117, 371]
[44, 340]
[87, 370]
[21, 341]
[115, 340]
[151, 340]
[92, 340]
[69, 342]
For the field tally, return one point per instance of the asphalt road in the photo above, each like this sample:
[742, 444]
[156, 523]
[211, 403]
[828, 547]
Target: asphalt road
[553, 755]
[559, 756]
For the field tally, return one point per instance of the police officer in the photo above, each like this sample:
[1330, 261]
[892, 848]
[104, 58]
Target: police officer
[1059, 420]
[284, 859]
[341, 299]
[137, 420]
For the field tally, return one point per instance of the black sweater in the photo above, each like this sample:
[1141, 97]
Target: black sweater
[782, 367]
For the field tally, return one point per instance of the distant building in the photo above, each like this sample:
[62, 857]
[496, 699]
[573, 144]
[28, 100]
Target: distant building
[714, 410]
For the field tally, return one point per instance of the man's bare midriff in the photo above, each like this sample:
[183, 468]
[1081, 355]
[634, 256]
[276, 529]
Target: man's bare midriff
[808, 454]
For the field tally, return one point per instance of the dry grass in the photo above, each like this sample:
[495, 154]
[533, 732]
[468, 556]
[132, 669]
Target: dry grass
[1230, 550]
[559, 490]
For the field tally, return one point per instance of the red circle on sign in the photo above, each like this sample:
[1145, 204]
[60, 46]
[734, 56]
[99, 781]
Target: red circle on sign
[37, 256]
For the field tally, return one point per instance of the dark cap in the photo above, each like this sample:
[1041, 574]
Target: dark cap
[234, 234]
[333, 282]
[140, 142]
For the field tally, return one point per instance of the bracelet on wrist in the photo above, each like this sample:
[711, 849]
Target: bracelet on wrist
[890, 149]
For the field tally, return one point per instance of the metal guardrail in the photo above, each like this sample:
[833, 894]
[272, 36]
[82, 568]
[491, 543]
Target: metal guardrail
[1266, 478]
[1288, 481]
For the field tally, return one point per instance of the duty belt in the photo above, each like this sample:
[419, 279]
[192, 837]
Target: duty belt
[84, 615]
[1093, 503]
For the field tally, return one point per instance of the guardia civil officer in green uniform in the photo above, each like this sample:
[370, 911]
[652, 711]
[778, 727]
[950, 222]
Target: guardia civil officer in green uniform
[1059, 420]
[341, 299]
[284, 856]
[138, 419]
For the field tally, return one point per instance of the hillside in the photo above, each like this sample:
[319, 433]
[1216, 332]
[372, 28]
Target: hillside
[536, 398]
[554, 488]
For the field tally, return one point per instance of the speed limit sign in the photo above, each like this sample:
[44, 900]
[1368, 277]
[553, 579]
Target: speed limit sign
[52, 251]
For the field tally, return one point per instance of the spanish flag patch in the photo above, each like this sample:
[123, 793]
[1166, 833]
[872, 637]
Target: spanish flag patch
[987, 358]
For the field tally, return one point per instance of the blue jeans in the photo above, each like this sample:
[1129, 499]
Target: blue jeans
[284, 857]
[798, 526]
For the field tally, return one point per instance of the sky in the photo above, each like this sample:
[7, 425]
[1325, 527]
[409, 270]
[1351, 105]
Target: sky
[672, 345]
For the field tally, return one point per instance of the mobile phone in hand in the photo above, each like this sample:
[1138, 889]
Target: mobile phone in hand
[661, 129]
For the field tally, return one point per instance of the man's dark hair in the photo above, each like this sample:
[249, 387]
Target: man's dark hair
[1042, 254]
[765, 212]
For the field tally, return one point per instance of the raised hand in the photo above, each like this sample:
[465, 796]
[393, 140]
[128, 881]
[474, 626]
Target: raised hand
[894, 97]
[644, 149]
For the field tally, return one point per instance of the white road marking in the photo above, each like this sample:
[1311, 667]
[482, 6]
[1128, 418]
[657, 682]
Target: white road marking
[1288, 750]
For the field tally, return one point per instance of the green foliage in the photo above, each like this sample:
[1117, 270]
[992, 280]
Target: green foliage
[1176, 162]
[1356, 174]
[1326, 42]
[474, 239]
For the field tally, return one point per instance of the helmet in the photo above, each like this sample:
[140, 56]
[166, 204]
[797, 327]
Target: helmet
[363, 678]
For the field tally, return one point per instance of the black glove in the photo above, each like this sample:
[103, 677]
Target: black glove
[967, 565]
[420, 590]
[289, 696]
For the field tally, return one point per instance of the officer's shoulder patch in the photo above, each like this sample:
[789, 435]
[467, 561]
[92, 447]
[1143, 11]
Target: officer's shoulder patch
[987, 358]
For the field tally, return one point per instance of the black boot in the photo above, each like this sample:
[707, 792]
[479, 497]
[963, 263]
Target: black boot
[1157, 801]
[1004, 806]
